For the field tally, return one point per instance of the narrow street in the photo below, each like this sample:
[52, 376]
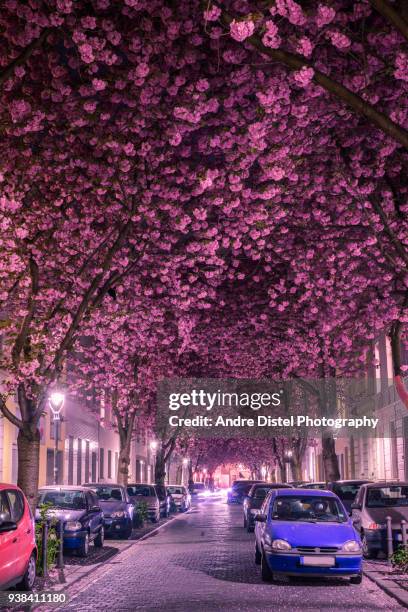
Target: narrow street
[203, 561]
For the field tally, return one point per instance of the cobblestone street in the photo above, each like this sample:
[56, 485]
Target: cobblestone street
[203, 560]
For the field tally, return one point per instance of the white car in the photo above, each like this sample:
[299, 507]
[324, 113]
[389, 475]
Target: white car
[180, 497]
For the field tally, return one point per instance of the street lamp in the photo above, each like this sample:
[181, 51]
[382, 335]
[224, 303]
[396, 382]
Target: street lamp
[56, 401]
[153, 445]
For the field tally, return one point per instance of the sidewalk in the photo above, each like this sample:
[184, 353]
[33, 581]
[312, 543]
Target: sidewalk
[392, 582]
[77, 568]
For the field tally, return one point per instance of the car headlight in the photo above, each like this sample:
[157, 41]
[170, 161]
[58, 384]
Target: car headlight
[281, 545]
[118, 514]
[73, 525]
[351, 546]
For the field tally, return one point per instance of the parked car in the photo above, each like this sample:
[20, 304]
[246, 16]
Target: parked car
[81, 513]
[180, 498]
[306, 533]
[145, 493]
[117, 508]
[313, 485]
[18, 550]
[198, 489]
[164, 500]
[374, 502]
[239, 490]
[346, 490]
[254, 500]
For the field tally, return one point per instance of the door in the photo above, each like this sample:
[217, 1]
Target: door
[23, 532]
[94, 517]
[8, 547]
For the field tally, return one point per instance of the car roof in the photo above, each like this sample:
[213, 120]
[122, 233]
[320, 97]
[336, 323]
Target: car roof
[140, 484]
[103, 484]
[353, 481]
[385, 483]
[299, 491]
[5, 485]
[64, 488]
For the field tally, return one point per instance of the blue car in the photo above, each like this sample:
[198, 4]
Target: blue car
[79, 510]
[117, 508]
[306, 533]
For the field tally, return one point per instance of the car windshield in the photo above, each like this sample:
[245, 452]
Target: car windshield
[347, 491]
[307, 508]
[315, 485]
[176, 490]
[380, 497]
[108, 493]
[70, 500]
[261, 492]
[141, 490]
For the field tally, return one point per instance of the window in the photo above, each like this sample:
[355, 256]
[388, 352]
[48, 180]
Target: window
[93, 464]
[66, 499]
[109, 464]
[4, 506]
[87, 461]
[16, 504]
[101, 463]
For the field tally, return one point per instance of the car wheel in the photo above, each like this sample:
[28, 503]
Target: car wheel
[266, 573]
[367, 552]
[258, 555]
[28, 579]
[83, 550]
[356, 579]
[100, 538]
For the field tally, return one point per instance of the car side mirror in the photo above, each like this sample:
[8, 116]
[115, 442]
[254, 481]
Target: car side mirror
[355, 506]
[260, 518]
[7, 526]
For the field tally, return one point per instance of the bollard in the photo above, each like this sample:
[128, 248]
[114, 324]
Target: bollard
[389, 537]
[61, 545]
[404, 533]
[44, 546]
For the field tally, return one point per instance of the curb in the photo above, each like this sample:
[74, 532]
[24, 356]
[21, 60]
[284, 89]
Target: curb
[389, 586]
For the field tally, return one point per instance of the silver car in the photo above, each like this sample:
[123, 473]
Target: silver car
[180, 497]
[140, 492]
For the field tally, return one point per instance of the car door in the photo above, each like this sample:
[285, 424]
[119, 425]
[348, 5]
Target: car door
[356, 513]
[9, 554]
[261, 527]
[93, 514]
[23, 533]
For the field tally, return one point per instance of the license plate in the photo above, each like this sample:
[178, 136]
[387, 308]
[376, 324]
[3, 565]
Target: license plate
[318, 561]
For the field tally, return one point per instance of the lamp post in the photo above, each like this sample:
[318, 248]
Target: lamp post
[56, 401]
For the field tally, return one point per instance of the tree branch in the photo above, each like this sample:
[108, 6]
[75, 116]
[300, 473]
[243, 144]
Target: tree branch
[361, 107]
[23, 57]
[389, 12]
[8, 414]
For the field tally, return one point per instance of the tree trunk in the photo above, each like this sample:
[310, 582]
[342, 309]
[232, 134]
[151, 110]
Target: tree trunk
[190, 475]
[296, 471]
[211, 481]
[179, 474]
[123, 466]
[330, 459]
[28, 449]
[160, 467]
[282, 469]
